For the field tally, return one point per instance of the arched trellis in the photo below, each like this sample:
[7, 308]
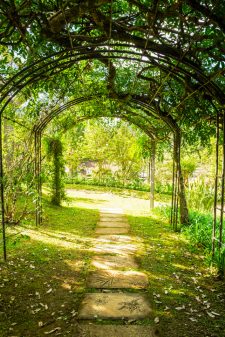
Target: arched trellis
[148, 129]
[57, 62]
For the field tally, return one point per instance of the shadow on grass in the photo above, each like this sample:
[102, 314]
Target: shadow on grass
[181, 290]
[45, 275]
[45, 278]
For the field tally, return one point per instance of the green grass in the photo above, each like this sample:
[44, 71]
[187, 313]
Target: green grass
[44, 278]
[178, 278]
[121, 191]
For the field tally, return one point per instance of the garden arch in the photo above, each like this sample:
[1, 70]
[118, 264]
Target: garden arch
[156, 34]
[142, 122]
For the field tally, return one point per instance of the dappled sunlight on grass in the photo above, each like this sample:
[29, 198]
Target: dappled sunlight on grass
[46, 274]
[179, 284]
[182, 267]
[70, 242]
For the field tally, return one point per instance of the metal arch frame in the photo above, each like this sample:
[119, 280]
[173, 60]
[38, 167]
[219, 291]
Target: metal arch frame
[39, 128]
[58, 62]
[219, 199]
[39, 69]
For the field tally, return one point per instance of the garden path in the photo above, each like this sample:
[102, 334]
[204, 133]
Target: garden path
[118, 287]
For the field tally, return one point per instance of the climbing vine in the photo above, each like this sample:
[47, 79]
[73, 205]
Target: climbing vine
[56, 169]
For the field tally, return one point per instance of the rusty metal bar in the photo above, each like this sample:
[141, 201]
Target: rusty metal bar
[37, 141]
[222, 186]
[216, 185]
[175, 191]
[2, 194]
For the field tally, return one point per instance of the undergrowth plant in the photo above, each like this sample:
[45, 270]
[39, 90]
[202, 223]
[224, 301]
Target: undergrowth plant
[200, 196]
[56, 169]
[199, 233]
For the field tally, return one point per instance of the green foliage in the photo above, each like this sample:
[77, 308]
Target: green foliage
[18, 163]
[110, 181]
[188, 167]
[200, 195]
[200, 229]
[56, 169]
[200, 233]
[111, 144]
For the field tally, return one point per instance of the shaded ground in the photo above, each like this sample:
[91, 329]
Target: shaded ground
[45, 278]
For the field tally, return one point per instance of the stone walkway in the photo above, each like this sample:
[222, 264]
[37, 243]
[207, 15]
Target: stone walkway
[115, 273]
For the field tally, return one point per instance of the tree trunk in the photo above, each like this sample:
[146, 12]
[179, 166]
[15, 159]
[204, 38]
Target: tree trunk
[152, 173]
[184, 218]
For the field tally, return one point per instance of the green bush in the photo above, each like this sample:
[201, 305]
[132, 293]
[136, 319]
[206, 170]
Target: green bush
[200, 196]
[199, 233]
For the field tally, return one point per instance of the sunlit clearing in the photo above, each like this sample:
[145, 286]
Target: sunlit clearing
[70, 242]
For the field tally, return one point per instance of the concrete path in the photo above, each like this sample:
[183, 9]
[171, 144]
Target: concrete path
[115, 274]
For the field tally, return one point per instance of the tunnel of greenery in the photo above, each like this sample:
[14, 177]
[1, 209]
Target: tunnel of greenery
[158, 65]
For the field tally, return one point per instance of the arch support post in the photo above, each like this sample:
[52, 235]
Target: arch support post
[219, 197]
[216, 186]
[152, 172]
[2, 193]
[178, 196]
[37, 169]
[175, 189]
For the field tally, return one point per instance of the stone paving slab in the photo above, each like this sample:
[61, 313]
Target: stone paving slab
[114, 262]
[112, 215]
[94, 330]
[114, 219]
[111, 210]
[104, 230]
[112, 248]
[114, 279]
[113, 224]
[114, 238]
[114, 306]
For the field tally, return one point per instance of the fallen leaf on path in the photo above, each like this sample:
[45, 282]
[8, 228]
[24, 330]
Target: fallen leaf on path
[180, 308]
[193, 319]
[197, 299]
[51, 331]
[156, 320]
[215, 313]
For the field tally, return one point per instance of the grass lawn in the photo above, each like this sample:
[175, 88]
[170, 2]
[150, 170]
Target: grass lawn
[187, 298]
[44, 279]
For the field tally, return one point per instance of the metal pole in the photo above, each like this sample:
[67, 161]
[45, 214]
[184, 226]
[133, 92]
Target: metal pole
[2, 194]
[38, 175]
[222, 187]
[176, 185]
[152, 175]
[173, 189]
[216, 185]
[39, 179]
